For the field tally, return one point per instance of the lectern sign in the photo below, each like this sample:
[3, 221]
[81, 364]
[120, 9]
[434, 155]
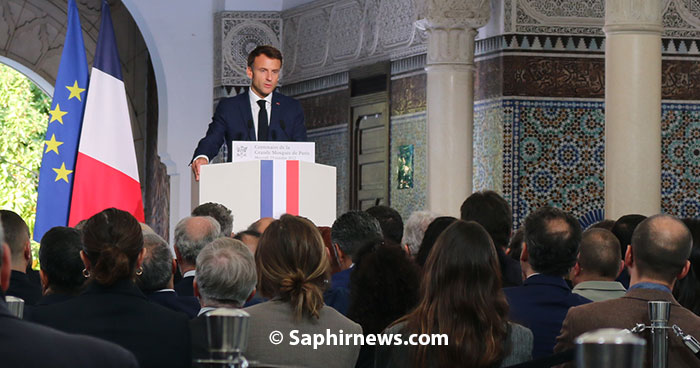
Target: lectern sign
[250, 151]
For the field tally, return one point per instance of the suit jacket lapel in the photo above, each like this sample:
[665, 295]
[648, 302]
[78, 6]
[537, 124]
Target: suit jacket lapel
[274, 115]
[247, 116]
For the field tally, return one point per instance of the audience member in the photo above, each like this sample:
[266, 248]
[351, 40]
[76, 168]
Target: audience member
[17, 237]
[250, 238]
[414, 230]
[687, 289]
[656, 258]
[326, 235]
[431, 234]
[156, 280]
[260, 225]
[391, 223]
[29, 345]
[552, 238]
[220, 213]
[349, 232]
[383, 287]
[597, 266]
[61, 266]
[623, 229]
[515, 246]
[492, 212]
[112, 307]
[225, 278]
[292, 269]
[460, 296]
[606, 224]
[191, 235]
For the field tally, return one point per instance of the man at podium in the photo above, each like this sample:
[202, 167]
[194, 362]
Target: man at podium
[261, 114]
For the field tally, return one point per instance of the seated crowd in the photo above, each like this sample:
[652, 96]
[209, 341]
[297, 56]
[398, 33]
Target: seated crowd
[111, 292]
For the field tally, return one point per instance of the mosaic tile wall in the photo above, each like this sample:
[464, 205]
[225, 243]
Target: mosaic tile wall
[680, 164]
[409, 129]
[488, 147]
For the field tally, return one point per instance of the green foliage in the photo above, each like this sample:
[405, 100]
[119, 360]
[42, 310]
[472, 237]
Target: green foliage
[23, 123]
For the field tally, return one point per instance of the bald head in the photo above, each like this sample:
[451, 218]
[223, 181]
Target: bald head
[661, 245]
[261, 224]
[192, 234]
[599, 254]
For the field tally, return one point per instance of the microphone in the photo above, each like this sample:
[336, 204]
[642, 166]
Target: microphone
[250, 123]
[273, 133]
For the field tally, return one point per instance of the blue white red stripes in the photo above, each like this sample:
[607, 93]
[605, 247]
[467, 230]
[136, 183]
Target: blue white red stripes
[279, 188]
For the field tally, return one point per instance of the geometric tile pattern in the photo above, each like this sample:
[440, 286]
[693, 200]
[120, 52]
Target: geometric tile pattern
[488, 147]
[553, 155]
[680, 163]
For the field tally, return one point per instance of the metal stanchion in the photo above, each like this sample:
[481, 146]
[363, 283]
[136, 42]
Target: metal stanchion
[15, 305]
[609, 348]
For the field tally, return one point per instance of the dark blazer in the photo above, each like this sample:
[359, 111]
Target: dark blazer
[200, 343]
[626, 312]
[157, 336]
[26, 344]
[23, 287]
[169, 299]
[233, 121]
[184, 287]
[511, 274]
[540, 304]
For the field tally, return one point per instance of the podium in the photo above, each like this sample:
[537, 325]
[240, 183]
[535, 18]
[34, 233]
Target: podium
[271, 188]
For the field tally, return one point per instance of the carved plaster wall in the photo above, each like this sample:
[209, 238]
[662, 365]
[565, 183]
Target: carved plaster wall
[326, 36]
[237, 34]
[681, 18]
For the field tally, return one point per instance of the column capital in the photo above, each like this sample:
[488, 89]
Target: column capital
[451, 27]
[633, 16]
[449, 14]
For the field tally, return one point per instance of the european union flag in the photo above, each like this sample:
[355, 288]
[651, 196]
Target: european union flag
[61, 145]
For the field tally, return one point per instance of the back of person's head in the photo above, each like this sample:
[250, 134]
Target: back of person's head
[552, 237]
[390, 221]
[606, 224]
[383, 287]
[112, 242]
[250, 238]
[414, 229]
[334, 262]
[16, 233]
[515, 245]
[687, 289]
[219, 212]
[661, 245]
[461, 296]
[59, 257]
[434, 230]
[353, 229]
[225, 274]
[157, 264]
[492, 212]
[193, 233]
[292, 265]
[599, 254]
[623, 229]
[261, 225]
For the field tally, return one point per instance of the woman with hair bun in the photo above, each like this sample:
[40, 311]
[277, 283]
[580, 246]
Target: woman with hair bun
[293, 271]
[112, 307]
[461, 297]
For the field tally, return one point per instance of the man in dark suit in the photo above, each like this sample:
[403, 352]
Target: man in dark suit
[492, 212]
[17, 237]
[191, 235]
[226, 278]
[552, 237]
[258, 115]
[656, 258]
[26, 344]
[156, 280]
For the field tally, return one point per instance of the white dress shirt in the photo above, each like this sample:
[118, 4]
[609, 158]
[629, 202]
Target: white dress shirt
[255, 108]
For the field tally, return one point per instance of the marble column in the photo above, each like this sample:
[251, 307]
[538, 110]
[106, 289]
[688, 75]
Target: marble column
[633, 31]
[451, 28]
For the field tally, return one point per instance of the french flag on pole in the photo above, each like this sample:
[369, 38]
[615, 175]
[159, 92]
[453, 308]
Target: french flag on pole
[106, 173]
